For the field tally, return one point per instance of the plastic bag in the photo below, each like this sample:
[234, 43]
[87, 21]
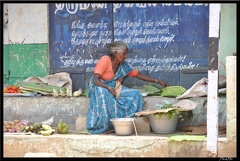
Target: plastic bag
[200, 88]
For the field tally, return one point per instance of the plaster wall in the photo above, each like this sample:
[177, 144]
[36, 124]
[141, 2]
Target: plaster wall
[29, 24]
[228, 34]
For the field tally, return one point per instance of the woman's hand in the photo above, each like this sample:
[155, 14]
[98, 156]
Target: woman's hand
[162, 83]
[149, 79]
[98, 82]
[112, 91]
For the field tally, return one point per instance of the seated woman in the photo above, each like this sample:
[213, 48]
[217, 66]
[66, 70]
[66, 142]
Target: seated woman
[106, 101]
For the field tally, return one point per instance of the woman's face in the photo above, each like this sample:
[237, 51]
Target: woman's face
[121, 55]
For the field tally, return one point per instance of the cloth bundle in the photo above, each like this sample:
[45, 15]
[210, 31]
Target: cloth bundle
[118, 88]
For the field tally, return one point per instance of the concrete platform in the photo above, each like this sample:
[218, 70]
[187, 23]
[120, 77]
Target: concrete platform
[111, 145]
[74, 144]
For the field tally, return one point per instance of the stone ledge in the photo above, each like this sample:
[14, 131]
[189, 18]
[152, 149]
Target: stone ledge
[68, 109]
[111, 145]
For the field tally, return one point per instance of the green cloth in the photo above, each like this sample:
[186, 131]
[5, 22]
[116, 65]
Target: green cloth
[186, 137]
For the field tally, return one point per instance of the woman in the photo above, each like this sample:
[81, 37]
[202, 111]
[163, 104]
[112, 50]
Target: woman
[105, 101]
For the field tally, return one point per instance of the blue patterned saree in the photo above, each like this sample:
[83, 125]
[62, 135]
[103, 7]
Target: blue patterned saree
[104, 106]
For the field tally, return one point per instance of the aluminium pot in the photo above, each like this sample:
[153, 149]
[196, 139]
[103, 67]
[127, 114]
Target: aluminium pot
[163, 125]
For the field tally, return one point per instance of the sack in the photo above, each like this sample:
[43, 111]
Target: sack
[172, 91]
[118, 88]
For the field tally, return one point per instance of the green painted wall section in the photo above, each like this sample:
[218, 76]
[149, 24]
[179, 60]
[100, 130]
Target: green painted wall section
[5, 64]
[25, 60]
[228, 34]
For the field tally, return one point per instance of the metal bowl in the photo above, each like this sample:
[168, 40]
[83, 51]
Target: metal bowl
[163, 125]
[123, 126]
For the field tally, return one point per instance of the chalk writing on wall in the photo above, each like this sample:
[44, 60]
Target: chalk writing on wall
[153, 64]
[84, 30]
[100, 31]
[73, 8]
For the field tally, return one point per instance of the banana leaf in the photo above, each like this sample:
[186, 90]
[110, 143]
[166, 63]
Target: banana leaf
[140, 88]
[172, 91]
[42, 87]
[152, 90]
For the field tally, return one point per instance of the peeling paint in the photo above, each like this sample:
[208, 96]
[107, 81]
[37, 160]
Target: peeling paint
[24, 63]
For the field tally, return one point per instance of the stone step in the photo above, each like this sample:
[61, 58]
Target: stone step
[75, 144]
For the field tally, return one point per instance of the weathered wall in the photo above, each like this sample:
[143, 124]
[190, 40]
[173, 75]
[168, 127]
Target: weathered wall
[68, 109]
[28, 25]
[25, 41]
[228, 34]
[167, 41]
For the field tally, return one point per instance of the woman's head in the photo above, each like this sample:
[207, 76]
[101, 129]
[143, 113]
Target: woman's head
[118, 50]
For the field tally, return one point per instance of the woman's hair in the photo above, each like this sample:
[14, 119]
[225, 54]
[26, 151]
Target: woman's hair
[116, 46]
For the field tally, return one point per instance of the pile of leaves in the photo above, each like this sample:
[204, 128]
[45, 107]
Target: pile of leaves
[150, 89]
[154, 90]
[171, 113]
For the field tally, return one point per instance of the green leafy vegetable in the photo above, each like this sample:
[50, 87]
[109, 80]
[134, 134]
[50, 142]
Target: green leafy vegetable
[171, 113]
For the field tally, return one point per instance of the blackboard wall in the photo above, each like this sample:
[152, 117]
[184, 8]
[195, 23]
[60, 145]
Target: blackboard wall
[168, 41]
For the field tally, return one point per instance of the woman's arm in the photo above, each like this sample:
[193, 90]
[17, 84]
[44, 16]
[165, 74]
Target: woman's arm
[149, 79]
[98, 82]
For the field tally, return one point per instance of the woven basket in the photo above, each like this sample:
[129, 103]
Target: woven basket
[118, 88]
